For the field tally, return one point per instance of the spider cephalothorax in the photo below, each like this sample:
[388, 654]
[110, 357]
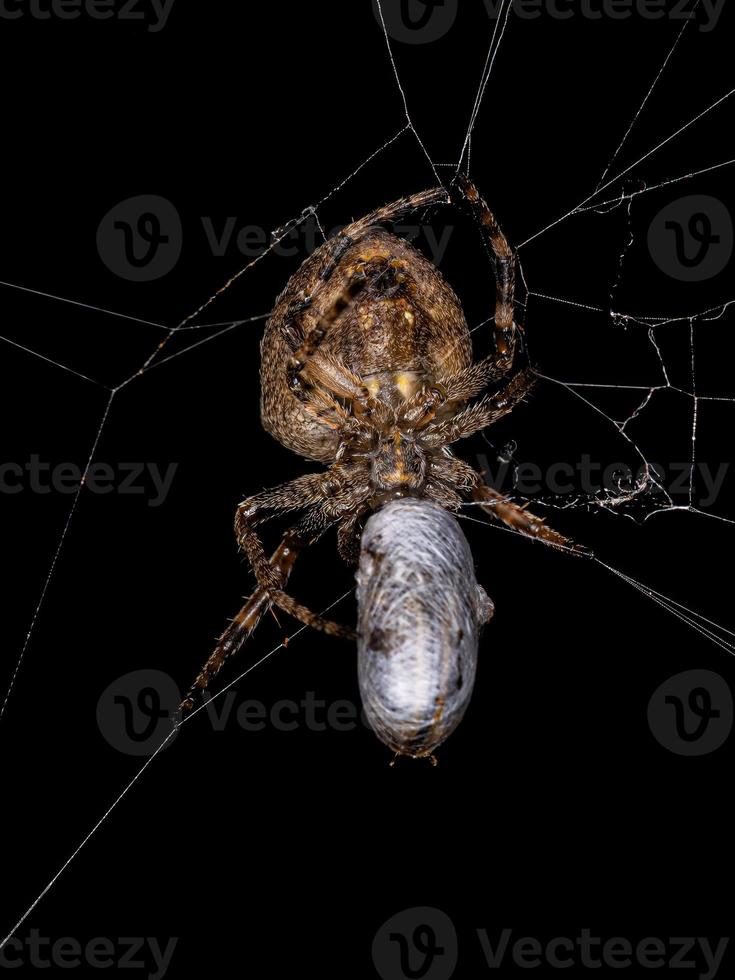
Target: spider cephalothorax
[367, 367]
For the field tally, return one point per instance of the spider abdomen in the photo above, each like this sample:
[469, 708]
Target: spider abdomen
[405, 327]
[420, 612]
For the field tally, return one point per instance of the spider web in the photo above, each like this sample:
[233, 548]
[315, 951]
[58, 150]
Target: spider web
[641, 500]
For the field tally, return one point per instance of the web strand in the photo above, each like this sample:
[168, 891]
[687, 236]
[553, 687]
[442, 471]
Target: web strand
[711, 630]
[696, 621]
[56, 556]
[617, 177]
[174, 731]
[149, 362]
[648, 95]
[492, 53]
[402, 92]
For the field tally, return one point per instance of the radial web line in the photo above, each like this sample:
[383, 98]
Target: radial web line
[55, 559]
[627, 170]
[648, 94]
[145, 765]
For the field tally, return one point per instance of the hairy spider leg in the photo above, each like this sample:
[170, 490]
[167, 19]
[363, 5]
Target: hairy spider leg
[246, 621]
[272, 574]
[473, 379]
[451, 471]
[309, 367]
[313, 489]
[480, 414]
[334, 381]
[324, 384]
[503, 262]
[501, 508]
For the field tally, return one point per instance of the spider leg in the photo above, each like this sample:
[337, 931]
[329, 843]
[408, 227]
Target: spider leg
[503, 260]
[328, 372]
[245, 622]
[315, 376]
[323, 379]
[451, 472]
[326, 409]
[348, 536]
[274, 576]
[301, 492]
[401, 208]
[385, 214]
[480, 414]
[309, 367]
[500, 507]
[473, 379]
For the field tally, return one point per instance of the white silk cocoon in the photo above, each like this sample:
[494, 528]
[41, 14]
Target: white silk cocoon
[420, 610]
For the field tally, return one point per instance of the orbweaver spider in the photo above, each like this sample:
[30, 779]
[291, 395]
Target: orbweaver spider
[367, 368]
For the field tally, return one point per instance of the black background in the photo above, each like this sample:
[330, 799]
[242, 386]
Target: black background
[274, 853]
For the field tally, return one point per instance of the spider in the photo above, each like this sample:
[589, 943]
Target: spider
[367, 367]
